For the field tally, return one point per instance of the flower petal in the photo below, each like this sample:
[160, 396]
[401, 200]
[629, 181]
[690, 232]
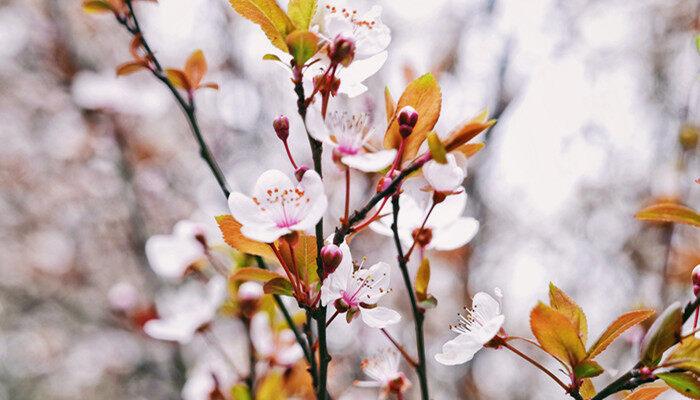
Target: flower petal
[244, 209]
[370, 162]
[351, 78]
[379, 317]
[170, 256]
[313, 187]
[379, 276]
[266, 233]
[460, 232]
[458, 351]
[261, 334]
[337, 282]
[448, 211]
[444, 177]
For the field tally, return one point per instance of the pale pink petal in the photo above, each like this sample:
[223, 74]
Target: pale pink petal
[261, 334]
[443, 177]
[351, 78]
[313, 186]
[448, 211]
[458, 351]
[453, 236]
[244, 209]
[270, 180]
[266, 233]
[379, 317]
[170, 256]
[370, 162]
[380, 276]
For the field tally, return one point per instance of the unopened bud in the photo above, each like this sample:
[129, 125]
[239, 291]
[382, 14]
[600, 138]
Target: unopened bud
[341, 305]
[342, 51]
[688, 137]
[423, 236]
[299, 173]
[281, 125]
[408, 117]
[696, 279]
[331, 255]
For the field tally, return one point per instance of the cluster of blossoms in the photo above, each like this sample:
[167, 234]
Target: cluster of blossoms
[282, 262]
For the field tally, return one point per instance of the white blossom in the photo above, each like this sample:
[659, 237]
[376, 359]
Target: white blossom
[383, 370]
[171, 255]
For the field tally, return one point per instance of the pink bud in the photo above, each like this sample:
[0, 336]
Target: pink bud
[281, 125]
[342, 51]
[331, 255]
[696, 275]
[299, 173]
[408, 116]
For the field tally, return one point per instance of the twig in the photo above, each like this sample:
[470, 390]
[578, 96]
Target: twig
[543, 369]
[400, 348]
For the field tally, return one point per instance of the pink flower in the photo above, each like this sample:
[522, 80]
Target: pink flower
[383, 369]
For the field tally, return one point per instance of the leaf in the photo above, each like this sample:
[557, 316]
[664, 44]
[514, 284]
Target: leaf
[616, 328]
[685, 383]
[301, 12]
[209, 85]
[389, 105]
[423, 279]
[669, 212]
[428, 302]
[304, 257]
[556, 334]
[587, 389]
[131, 67]
[253, 274]
[196, 68]
[302, 46]
[269, 16]
[231, 230]
[647, 392]
[281, 286]
[469, 149]
[178, 79]
[240, 392]
[271, 387]
[588, 369]
[561, 302]
[423, 94]
[663, 333]
[97, 7]
[686, 355]
[437, 149]
[466, 132]
[271, 57]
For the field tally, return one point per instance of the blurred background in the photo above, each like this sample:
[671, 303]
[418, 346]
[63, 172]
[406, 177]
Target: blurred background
[592, 97]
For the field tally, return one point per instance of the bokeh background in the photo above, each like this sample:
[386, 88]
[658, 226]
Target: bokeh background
[591, 97]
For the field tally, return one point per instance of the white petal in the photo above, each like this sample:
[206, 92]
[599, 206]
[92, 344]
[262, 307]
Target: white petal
[317, 126]
[313, 186]
[370, 162]
[261, 334]
[170, 256]
[448, 211]
[486, 305]
[337, 282]
[267, 233]
[380, 274]
[244, 209]
[271, 179]
[359, 71]
[217, 292]
[488, 331]
[455, 235]
[443, 177]
[175, 330]
[458, 351]
[379, 317]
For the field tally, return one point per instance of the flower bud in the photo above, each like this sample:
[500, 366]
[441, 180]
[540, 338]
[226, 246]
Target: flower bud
[423, 237]
[342, 51]
[688, 137]
[331, 255]
[696, 279]
[341, 305]
[281, 125]
[299, 173]
[408, 117]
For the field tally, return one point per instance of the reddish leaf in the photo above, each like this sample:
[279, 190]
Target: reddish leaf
[669, 212]
[616, 328]
[556, 334]
[231, 230]
[196, 68]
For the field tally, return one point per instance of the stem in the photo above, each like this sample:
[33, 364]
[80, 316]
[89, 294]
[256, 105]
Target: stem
[289, 155]
[332, 317]
[536, 364]
[418, 315]
[400, 348]
[313, 369]
[425, 221]
[250, 379]
[346, 215]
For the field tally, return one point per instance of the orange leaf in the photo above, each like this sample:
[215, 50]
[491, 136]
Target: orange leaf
[556, 334]
[587, 389]
[135, 47]
[178, 79]
[131, 67]
[646, 393]
[469, 149]
[669, 212]
[561, 302]
[389, 105]
[269, 16]
[209, 85]
[466, 132]
[196, 68]
[231, 230]
[97, 6]
[304, 256]
[616, 328]
[254, 274]
[424, 95]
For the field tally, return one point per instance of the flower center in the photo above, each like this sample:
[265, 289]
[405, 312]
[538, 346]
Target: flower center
[349, 132]
[351, 16]
[285, 207]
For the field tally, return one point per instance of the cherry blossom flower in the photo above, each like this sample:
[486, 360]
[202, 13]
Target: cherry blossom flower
[170, 256]
[209, 379]
[383, 369]
[191, 308]
[480, 325]
[348, 135]
[445, 228]
[359, 290]
[369, 36]
[278, 206]
[279, 348]
[446, 178]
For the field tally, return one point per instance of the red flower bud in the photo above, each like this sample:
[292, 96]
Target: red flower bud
[342, 51]
[695, 276]
[299, 173]
[281, 125]
[408, 116]
[331, 255]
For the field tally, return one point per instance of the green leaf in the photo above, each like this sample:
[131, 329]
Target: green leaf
[556, 334]
[697, 43]
[269, 16]
[669, 212]
[663, 333]
[423, 278]
[561, 302]
[271, 57]
[271, 387]
[686, 355]
[437, 149]
[302, 46]
[685, 383]
[428, 302]
[588, 369]
[616, 328]
[240, 392]
[254, 274]
[280, 285]
[97, 6]
[301, 12]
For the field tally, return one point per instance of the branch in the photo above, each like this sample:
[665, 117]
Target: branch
[417, 313]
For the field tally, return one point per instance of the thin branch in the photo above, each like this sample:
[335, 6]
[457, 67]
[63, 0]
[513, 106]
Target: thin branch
[540, 367]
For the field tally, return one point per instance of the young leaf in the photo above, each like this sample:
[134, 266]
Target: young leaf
[423, 279]
[663, 333]
[437, 149]
[269, 16]
[389, 105]
[556, 334]
[686, 355]
[240, 392]
[131, 67]
[423, 94]
[301, 12]
[271, 387]
[669, 212]
[280, 285]
[587, 389]
[302, 46]
[561, 302]
[588, 369]
[685, 383]
[466, 132]
[304, 257]
[253, 274]
[231, 231]
[616, 328]
[178, 79]
[647, 392]
[271, 57]
[97, 6]
[196, 68]
[469, 149]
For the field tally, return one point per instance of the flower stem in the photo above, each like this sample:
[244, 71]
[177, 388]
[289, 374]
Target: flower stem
[400, 348]
[250, 379]
[346, 215]
[425, 221]
[332, 317]
[418, 315]
[537, 364]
